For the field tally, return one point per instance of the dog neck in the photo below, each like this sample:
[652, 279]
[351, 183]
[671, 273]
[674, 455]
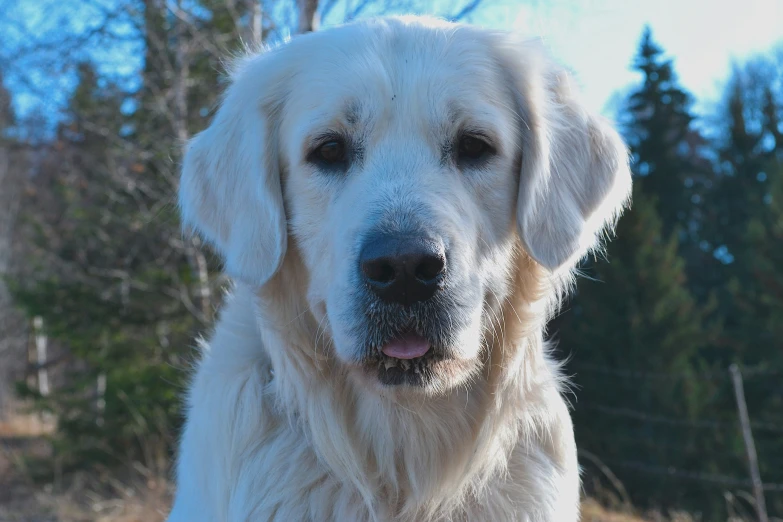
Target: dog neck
[415, 454]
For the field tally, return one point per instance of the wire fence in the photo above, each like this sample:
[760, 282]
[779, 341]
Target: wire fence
[737, 424]
[713, 478]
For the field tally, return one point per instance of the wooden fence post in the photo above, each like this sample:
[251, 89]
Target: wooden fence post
[750, 446]
[40, 355]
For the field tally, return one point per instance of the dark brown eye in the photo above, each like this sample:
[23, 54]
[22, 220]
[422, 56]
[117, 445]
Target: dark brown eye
[332, 152]
[472, 148]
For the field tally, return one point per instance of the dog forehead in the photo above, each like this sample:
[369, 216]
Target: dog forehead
[353, 72]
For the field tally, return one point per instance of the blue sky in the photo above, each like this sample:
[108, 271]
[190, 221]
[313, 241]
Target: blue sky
[596, 38]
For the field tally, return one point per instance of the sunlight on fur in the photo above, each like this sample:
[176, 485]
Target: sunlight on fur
[313, 398]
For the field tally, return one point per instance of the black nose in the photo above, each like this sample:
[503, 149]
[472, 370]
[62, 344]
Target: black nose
[403, 269]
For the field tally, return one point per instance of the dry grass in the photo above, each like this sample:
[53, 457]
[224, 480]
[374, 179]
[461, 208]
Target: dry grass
[149, 502]
[81, 498]
[143, 495]
[138, 500]
[85, 502]
[592, 511]
[25, 425]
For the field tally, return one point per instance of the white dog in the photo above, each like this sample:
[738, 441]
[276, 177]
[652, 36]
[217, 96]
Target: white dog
[402, 202]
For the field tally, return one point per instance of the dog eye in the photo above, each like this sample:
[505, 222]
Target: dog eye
[472, 149]
[331, 153]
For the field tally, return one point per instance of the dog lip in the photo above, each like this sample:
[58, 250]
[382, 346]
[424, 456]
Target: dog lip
[406, 346]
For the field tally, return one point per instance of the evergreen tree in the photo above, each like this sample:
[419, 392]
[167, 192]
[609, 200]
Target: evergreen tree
[756, 293]
[637, 317]
[641, 290]
[671, 161]
[763, 301]
[746, 148]
[103, 290]
[660, 136]
[129, 293]
[7, 116]
[744, 231]
[12, 171]
[633, 319]
[740, 201]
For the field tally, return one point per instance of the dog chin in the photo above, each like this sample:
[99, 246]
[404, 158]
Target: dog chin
[433, 373]
[412, 351]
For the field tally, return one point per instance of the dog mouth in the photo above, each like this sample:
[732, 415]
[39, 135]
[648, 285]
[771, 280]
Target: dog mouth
[412, 346]
[406, 359]
[406, 347]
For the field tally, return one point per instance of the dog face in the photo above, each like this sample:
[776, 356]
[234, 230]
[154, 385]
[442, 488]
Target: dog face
[402, 189]
[404, 159]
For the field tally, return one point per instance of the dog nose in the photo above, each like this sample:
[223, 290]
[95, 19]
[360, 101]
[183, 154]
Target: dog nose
[403, 269]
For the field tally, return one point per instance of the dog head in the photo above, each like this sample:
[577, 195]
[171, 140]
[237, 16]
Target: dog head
[406, 159]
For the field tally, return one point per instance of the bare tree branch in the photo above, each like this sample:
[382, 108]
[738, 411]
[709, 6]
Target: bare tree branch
[466, 10]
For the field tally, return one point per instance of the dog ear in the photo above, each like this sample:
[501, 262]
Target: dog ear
[574, 179]
[230, 190]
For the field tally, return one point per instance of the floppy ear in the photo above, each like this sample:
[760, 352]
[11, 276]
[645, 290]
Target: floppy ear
[230, 186]
[574, 179]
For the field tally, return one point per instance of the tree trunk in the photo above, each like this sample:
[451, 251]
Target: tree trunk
[256, 23]
[181, 77]
[308, 18]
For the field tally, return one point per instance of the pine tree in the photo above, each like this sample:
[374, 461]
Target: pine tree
[763, 307]
[103, 289]
[639, 317]
[129, 293]
[660, 136]
[641, 338]
[742, 185]
[672, 162]
[7, 116]
[642, 287]
[634, 319]
[12, 327]
[749, 142]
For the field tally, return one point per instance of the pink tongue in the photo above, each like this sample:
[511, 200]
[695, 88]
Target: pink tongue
[409, 346]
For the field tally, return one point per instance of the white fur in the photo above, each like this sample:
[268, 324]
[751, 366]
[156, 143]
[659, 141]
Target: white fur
[282, 423]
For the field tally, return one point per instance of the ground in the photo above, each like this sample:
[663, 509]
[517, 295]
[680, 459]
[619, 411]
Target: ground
[79, 498]
[143, 497]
